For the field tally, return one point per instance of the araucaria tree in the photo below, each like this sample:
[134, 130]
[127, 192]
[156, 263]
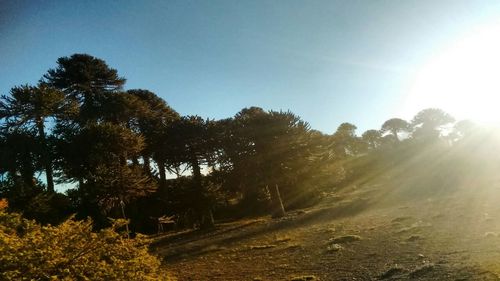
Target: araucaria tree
[267, 150]
[29, 107]
[86, 80]
[189, 142]
[394, 127]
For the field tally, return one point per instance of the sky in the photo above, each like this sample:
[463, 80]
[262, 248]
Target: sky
[328, 61]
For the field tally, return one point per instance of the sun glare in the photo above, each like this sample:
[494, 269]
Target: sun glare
[463, 78]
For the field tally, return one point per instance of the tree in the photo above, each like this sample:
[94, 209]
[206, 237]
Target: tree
[268, 150]
[152, 118]
[19, 159]
[395, 126]
[30, 107]
[85, 80]
[428, 123]
[344, 141]
[189, 142]
[97, 157]
[373, 138]
[465, 129]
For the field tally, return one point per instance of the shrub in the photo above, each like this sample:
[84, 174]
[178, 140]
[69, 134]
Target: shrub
[71, 251]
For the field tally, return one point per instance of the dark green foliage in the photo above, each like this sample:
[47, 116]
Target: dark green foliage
[20, 156]
[265, 152]
[87, 81]
[190, 143]
[97, 157]
[28, 108]
[83, 76]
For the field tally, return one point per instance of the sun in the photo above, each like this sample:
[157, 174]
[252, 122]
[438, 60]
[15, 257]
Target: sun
[463, 78]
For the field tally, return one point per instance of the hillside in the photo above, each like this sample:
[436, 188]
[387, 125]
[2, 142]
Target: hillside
[362, 233]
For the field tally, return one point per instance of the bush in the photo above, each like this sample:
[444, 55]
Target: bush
[71, 251]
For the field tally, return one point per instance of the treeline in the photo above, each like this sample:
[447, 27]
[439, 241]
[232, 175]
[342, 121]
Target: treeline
[129, 154]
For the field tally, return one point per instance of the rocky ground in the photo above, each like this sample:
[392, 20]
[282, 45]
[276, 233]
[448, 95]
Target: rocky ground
[363, 234]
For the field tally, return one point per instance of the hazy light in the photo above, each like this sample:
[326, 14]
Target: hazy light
[462, 79]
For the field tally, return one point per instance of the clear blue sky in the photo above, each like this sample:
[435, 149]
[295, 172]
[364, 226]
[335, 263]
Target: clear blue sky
[327, 61]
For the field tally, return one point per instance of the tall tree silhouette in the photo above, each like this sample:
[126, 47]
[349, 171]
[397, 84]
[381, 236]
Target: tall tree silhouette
[30, 107]
[267, 149]
[428, 123]
[97, 157]
[152, 117]
[86, 80]
[395, 126]
[344, 141]
[372, 138]
[19, 157]
[190, 143]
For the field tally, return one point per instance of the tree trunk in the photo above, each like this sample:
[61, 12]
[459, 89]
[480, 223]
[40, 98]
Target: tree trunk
[205, 212]
[146, 166]
[47, 162]
[277, 209]
[18, 183]
[123, 159]
[395, 133]
[135, 161]
[207, 219]
[196, 173]
[161, 172]
[122, 207]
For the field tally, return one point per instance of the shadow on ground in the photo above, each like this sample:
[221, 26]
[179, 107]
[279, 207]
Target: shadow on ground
[194, 243]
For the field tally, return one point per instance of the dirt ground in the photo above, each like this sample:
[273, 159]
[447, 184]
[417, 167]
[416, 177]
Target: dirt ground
[356, 236]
